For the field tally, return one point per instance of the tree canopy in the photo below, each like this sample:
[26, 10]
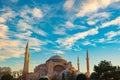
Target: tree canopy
[81, 77]
[105, 71]
[6, 77]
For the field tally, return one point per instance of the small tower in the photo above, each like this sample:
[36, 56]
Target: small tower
[78, 64]
[26, 62]
[88, 64]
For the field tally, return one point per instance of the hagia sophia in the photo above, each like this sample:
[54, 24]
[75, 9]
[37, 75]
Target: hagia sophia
[54, 68]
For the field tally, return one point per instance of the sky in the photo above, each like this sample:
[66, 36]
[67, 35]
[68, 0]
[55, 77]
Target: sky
[63, 27]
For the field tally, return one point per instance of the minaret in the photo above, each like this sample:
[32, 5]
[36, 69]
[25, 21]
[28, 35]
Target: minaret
[26, 61]
[78, 64]
[88, 64]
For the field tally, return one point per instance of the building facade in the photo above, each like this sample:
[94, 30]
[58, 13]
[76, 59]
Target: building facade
[55, 67]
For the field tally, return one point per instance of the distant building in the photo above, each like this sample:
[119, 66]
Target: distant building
[55, 67]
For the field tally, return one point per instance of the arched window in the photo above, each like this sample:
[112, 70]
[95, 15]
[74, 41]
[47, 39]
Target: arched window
[59, 68]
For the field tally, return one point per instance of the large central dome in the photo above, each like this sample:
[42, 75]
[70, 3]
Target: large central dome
[56, 58]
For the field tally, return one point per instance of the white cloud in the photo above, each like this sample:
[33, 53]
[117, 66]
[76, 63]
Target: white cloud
[3, 31]
[37, 13]
[93, 5]
[91, 22]
[39, 31]
[69, 41]
[23, 35]
[27, 22]
[2, 20]
[69, 24]
[15, 48]
[36, 49]
[9, 43]
[113, 22]
[58, 52]
[86, 43]
[81, 27]
[24, 13]
[10, 48]
[113, 41]
[23, 26]
[7, 15]
[36, 42]
[112, 34]
[98, 17]
[101, 40]
[59, 31]
[68, 4]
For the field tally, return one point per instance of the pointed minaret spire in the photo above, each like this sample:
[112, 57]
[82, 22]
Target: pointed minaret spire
[27, 45]
[88, 64]
[26, 61]
[78, 64]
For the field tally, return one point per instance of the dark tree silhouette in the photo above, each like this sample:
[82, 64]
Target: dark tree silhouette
[7, 77]
[105, 71]
[81, 77]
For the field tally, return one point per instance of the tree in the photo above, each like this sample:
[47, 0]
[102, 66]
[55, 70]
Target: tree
[6, 77]
[105, 71]
[4, 70]
[81, 77]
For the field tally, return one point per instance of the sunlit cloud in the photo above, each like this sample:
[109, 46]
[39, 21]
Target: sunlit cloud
[112, 22]
[59, 31]
[69, 41]
[68, 4]
[101, 40]
[23, 26]
[37, 13]
[91, 22]
[69, 24]
[112, 34]
[3, 31]
[93, 6]
[58, 52]
[2, 20]
[16, 48]
[7, 15]
[98, 16]
[11, 48]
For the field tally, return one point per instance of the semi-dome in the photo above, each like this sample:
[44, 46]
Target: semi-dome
[56, 58]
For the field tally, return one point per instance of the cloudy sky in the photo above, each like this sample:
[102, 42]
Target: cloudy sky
[63, 27]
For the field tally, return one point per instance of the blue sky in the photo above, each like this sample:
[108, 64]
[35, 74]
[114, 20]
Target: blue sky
[63, 27]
